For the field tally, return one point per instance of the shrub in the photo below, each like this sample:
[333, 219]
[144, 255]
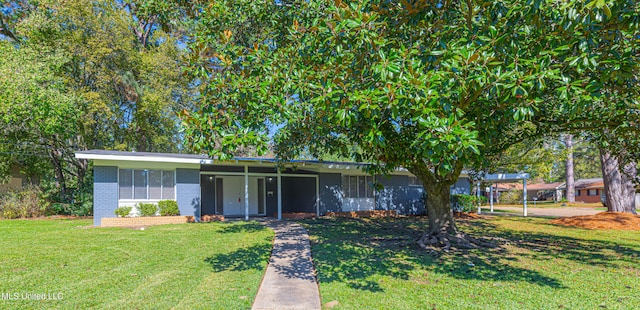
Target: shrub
[511, 197]
[122, 211]
[26, 202]
[463, 203]
[147, 209]
[168, 207]
[466, 203]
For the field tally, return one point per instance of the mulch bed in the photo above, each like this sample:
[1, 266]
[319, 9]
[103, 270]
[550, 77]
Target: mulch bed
[297, 215]
[602, 220]
[364, 214]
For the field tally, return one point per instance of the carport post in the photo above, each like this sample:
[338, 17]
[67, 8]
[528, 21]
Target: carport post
[524, 193]
[478, 196]
[279, 195]
[246, 193]
[491, 196]
[317, 196]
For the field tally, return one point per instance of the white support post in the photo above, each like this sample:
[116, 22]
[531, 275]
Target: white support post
[317, 196]
[524, 193]
[246, 193]
[478, 196]
[279, 195]
[491, 197]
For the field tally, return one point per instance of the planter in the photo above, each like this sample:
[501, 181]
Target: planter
[212, 218]
[145, 221]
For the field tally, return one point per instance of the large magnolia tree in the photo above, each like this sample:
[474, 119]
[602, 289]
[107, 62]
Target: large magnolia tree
[431, 86]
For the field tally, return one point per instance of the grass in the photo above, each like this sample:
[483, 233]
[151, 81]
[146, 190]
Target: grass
[186, 266]
[365, 264]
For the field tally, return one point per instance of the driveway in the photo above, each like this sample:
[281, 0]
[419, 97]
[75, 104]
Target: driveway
[550, 212]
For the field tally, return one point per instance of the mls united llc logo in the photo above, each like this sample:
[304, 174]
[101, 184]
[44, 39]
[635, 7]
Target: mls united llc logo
[32, 296]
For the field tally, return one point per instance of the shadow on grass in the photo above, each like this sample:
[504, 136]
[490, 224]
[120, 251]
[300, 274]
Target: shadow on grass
[234, 227]
[351, 251]
[250, 258]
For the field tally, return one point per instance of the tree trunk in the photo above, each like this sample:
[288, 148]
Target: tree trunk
[571, 188]
[59, 172]
[438, 205]
[443, 232]
[618, 186]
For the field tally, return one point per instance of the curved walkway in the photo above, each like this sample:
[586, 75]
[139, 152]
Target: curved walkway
[290, 279]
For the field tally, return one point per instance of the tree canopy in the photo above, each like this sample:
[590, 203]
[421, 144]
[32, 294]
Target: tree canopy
[429, 86]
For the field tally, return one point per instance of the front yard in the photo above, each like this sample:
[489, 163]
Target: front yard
[185, 266]
[364, 264]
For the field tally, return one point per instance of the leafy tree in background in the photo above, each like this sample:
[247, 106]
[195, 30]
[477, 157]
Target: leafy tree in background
[125, 92]
[429, 86]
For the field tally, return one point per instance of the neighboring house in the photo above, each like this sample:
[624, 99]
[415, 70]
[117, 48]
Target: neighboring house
[589, 190]
[501, 188]
[16, 179]
[545, 191]
[247, 186]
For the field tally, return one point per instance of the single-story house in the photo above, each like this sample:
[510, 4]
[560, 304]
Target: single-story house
[588, 190]
[247, 186]
[545, 191]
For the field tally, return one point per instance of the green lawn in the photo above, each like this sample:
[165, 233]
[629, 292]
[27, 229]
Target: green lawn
[552, 205]
[366, 264]
[186, 266]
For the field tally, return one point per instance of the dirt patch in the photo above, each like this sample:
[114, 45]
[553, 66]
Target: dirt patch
[602, 220]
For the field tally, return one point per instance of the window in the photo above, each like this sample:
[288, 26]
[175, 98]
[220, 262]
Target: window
[578, 194]
[592, 192]
[357, 186]
[146, 184]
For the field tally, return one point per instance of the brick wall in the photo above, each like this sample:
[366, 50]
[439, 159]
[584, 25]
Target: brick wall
[144, 221]
[105, 192]
[584, 197]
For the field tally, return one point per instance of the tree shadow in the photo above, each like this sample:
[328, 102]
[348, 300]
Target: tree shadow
[351, 251]
[250, 258]
[235, 227]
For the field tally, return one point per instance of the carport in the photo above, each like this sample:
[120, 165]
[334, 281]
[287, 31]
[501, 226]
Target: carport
[503, 178]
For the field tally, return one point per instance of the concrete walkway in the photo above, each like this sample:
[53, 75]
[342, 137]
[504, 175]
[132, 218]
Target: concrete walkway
[290, 279]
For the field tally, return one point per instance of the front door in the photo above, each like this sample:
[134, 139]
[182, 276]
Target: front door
[230, 195]
[232, 198]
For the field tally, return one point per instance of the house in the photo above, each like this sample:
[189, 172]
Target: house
[498, 189]
[545, 191]
[247, 186]
[589, 190]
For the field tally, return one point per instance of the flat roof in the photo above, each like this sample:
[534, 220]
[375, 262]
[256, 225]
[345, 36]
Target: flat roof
[191, 158]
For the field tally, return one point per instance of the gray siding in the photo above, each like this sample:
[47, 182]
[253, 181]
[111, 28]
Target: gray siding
[188, 192]
[298, 194]
[330, 192]
[398, 195]
[462, 186]
[208, 194]
[105, 193]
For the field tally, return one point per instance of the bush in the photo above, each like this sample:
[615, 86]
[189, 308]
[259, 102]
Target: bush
[511, 197]
[26, 202]
[168, 207]
[466, 203]
[122, 211]
[147, 209]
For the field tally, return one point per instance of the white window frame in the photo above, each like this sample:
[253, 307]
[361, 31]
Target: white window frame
[162, 172]
[348, 185]
[595, 192]
[414, 181]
